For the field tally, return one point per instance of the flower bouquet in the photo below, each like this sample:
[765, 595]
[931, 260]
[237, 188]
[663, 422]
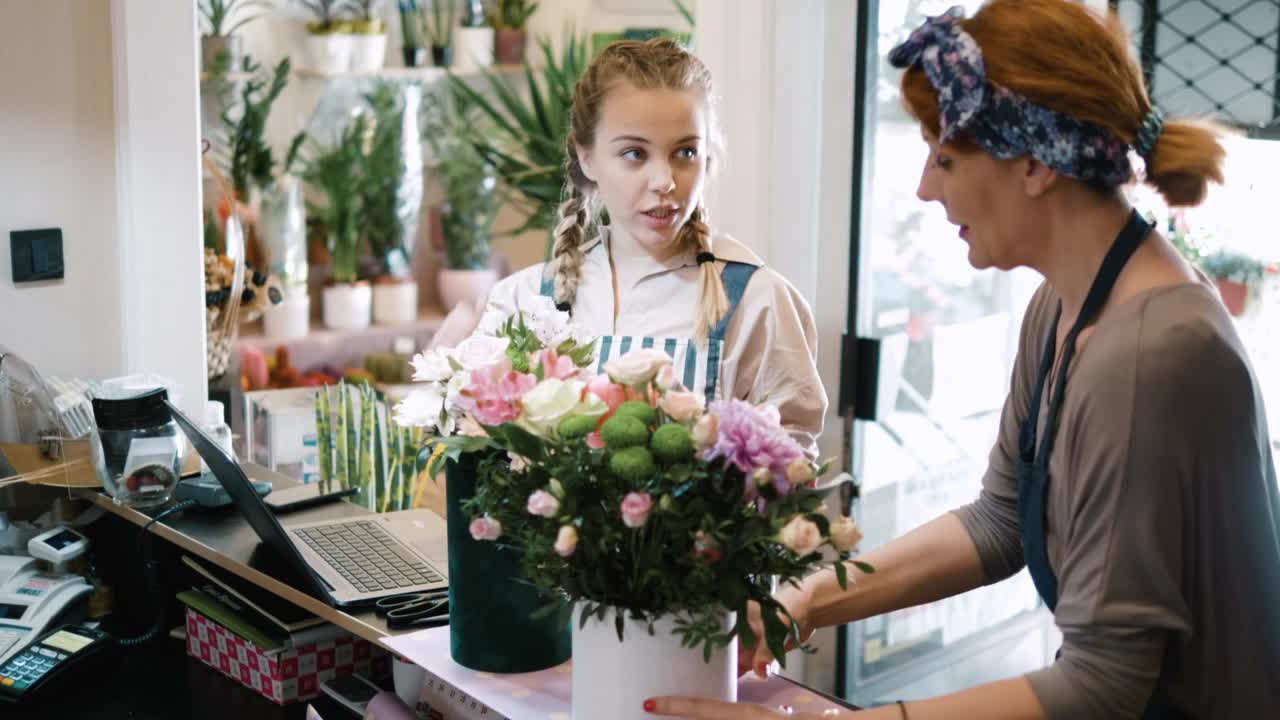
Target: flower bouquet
[654, 514]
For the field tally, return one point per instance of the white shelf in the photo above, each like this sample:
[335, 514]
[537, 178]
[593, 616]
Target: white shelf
[425, 74]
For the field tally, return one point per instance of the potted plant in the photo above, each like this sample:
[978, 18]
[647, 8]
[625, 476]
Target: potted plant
[473, 40]
[509, 36]
[220, 36]
[440, 21]
[329, 40]
[524, 140]
[335, 172]
[359, 444]
[470, 206]
[282, 224]
[413, 34]
[391, 195]
[369, 36]
[1235, 274]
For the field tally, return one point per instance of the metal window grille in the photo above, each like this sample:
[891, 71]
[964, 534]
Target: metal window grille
[1216, 58]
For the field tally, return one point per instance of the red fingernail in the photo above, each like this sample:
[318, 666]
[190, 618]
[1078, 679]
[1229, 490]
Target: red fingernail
[650, 705]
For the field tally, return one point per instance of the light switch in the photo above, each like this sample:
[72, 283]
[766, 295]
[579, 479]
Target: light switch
[36, 254]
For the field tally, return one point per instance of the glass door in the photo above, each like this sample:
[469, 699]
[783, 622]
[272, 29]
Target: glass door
[947, 336]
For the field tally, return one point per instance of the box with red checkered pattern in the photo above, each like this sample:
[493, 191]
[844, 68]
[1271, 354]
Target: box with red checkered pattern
[285, 675]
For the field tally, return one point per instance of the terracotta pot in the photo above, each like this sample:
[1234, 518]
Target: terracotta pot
[1234, 295]
[509, 46]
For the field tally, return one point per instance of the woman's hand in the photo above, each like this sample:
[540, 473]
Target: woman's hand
[702, 709]
[756, 656]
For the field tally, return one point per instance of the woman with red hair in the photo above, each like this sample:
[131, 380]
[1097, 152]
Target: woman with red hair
[1133, 473]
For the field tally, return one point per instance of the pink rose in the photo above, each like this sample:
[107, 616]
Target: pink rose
[610, 392]
[635, 509]
[543, 503]
[800, 535]
[556, 366]
[683, 407]
[566, 540]
[486, 528]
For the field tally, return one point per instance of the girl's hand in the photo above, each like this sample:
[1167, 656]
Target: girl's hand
[757, 657]
[701, 709]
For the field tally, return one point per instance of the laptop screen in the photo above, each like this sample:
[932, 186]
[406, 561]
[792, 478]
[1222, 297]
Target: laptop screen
[255, 511]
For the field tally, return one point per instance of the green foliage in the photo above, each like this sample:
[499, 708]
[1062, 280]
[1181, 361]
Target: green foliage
[525, 138]
[251, 157]
[512, 14]
[381, 175]
[335, 171]
[438, 22]
[471, 198]
[363, 447]
[1232, 266]
[217, 14]
[327, 14]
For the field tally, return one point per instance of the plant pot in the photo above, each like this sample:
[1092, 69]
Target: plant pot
[395, 303]
[368, 52]
[492, 630]
[407, 678]
[211, 46]
[442, 55]
[414, 56]
[472, 48]
[620, 676]
[1235, 295]
[348, 306]
[288, 320]
[464, 286]
[509, 46]
[329, 52]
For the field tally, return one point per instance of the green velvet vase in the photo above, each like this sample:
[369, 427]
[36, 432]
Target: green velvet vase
[490, 605]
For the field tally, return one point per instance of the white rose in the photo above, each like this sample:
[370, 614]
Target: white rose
[637, 367]
[453, 390]
[549, 401]
[800, 535]
[566, 540]
[431, 366]
[706, 431]
[666, 378]
[845, 534]
[479, 351]
[421, 408]
[683, 407]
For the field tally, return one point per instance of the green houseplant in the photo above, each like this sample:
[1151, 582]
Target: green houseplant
[251, 160]
[330, 43]
[509, 35]
[525, 144]
[413, 34]
[359, 444]
[1235, 274]
[334, 171]
[221, 20]
[439, 22]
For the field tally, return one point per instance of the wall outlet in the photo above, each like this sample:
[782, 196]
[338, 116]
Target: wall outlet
[36, 254]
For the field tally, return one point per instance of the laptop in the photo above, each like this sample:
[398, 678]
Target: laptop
[346, 561]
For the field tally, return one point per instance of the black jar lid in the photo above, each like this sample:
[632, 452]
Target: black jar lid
[144, 411]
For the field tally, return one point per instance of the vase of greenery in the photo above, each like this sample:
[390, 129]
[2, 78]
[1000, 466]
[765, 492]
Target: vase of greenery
[509, 35]
[391, 195]
[330, 42]
[413, 34]
[1235, 274]
[368, 36]
[282, 223]
[334, 171]
[221, 19]
[439, 21]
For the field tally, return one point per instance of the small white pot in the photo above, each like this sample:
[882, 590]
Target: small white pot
[348, 307]
[290, 319]
[368, 52]
[329, 52]
[395, 303]
[472, 48]
[617, 677]
[408, 679]
[464, 286]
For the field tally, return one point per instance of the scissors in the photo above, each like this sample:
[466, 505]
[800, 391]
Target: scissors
[416, 610]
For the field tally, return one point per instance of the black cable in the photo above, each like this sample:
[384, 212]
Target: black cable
[149, 568]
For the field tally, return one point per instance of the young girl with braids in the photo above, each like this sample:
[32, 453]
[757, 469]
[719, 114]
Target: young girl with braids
[654, 275]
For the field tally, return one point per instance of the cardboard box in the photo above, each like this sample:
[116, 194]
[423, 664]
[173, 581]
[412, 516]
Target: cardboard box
[287, 675]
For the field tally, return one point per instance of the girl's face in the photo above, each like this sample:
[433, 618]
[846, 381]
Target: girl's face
[649, 162]
[987, 198]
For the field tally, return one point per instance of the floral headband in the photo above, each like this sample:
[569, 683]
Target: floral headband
[1004, 123]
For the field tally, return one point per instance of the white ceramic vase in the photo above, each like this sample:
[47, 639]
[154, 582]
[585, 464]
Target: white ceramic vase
[288, 320]
[329, 52]
[472, 48]
[612, 679]
[469, 286]
[348, 306]
[395, 303]
[368, 52]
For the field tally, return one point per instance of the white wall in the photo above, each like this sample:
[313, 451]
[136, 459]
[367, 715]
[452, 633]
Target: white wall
[57, 169]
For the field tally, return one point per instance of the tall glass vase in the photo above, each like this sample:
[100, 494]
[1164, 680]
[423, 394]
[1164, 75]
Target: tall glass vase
[491, 628]
[282, 223]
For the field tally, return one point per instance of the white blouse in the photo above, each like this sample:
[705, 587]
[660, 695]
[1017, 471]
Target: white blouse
[770, 344]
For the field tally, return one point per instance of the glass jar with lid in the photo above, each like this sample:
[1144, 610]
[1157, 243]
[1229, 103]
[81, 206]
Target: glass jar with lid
[142, 447]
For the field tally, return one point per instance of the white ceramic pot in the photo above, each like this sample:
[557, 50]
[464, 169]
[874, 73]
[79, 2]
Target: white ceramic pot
[290, 319]
[469, 286]
[472, 48]
[395, 303]
[329, 52]
[348, 306]
[408, 679]
[612, 679]
[368, 52]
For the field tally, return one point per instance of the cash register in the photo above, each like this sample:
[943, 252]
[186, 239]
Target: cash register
[33, 600]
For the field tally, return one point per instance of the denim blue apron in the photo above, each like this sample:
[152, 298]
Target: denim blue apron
[1033, 462]
[697, 366]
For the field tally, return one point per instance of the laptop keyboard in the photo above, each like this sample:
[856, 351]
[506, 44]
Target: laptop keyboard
[368, 557]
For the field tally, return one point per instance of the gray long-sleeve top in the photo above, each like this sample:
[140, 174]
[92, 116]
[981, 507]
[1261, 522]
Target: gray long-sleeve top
[1163, 514]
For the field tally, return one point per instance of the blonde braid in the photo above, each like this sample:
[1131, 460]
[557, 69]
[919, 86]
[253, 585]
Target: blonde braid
[570, 230]
[713, 303]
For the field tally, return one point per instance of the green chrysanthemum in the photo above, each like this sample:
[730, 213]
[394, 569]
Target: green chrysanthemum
[621, 431]
[633, 464]
[638, 410]
[575, 427]
[672, 443]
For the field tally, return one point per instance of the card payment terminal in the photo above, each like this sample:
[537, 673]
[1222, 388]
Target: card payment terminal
[32, 602]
